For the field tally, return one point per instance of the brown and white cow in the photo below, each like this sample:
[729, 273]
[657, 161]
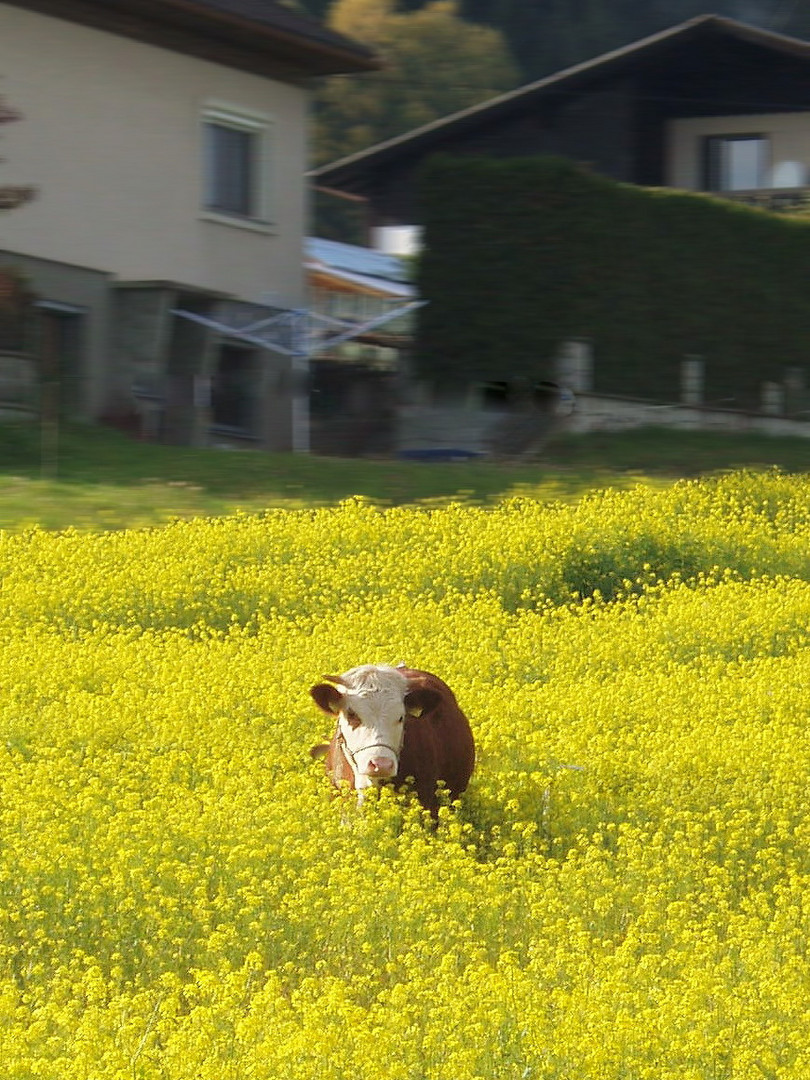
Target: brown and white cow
[394, 723]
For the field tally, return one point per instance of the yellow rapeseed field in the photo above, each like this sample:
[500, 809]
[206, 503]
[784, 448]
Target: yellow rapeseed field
[624, 891]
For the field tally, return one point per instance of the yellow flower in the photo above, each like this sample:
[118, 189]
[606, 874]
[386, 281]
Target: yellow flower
[623, 891]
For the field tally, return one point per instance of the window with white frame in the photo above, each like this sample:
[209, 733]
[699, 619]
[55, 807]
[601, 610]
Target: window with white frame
[735, 162]
[236, 164]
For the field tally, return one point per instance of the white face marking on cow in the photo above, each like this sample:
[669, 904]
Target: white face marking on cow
[372, 721]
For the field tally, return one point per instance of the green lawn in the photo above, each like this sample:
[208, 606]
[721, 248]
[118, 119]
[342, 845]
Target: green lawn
[100, 479]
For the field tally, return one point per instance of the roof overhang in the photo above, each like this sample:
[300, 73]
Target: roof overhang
[344, 281]
[260, 37]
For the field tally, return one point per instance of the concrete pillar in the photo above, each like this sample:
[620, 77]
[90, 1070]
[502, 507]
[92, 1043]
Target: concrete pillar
[693, 378]
[276, 392]
[795, 391]
[773, 399]
[574, 365]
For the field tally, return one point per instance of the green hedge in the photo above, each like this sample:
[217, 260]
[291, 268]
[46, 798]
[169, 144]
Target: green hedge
[524, 253]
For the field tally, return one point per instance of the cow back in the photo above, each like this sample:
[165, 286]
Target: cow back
[438, 746]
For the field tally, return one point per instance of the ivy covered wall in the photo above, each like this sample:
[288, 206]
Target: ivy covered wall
[522, 254]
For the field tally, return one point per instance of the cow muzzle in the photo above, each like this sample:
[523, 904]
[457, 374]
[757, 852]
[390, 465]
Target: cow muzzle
[372, 764]
[382, 766]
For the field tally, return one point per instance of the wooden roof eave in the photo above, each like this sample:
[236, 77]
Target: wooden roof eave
[197, 29]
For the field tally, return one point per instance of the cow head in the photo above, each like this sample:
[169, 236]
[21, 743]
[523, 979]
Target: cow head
[372, 705]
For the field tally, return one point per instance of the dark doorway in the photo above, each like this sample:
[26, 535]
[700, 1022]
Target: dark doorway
[61, 358]
[234, 390]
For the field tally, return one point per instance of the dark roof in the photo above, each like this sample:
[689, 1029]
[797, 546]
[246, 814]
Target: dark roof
[277, 17]
[261, 36]
[423, 139]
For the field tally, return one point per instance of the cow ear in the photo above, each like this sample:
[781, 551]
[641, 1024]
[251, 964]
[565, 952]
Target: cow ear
[421, 701]
[327, 697]
[319, 751]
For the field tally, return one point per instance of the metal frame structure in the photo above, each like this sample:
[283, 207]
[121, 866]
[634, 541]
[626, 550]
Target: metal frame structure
[298, 334]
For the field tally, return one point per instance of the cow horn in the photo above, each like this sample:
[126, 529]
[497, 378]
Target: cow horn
[336, 679]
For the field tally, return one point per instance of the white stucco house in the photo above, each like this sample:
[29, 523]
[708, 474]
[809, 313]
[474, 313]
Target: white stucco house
[167, 142]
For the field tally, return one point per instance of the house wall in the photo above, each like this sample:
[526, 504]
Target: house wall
[789, 134]
[111, 136]
[596, 128]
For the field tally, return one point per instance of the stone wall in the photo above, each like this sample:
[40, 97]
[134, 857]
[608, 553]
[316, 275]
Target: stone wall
[593, 412]
[571, 405]
[783, 403]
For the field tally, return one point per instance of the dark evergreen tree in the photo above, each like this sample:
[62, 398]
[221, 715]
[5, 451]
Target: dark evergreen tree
[436, 63]
[548, 35]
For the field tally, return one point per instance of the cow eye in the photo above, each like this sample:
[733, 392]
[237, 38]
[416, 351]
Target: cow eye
[353, 718]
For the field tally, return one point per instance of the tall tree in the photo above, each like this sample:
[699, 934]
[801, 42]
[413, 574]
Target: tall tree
[12, 195]
[316, 9]
[15, 297]
[436, 64]
[547, 35]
